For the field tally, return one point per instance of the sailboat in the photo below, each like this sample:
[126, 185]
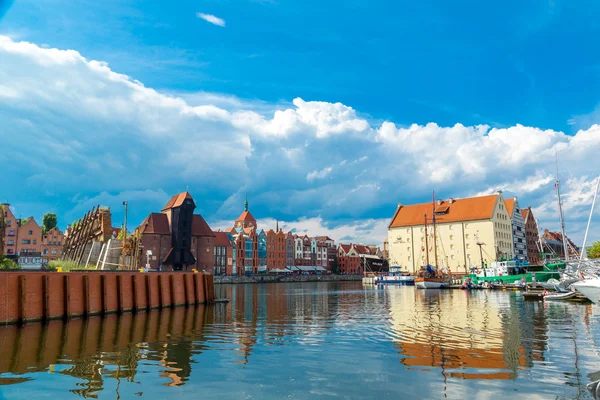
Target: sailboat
[590, 287]
[430, 277]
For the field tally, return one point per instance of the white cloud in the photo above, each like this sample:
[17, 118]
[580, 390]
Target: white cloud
[211, 18]
[97, 131]
[319, 174]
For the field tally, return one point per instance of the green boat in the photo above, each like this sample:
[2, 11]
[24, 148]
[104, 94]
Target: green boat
[508, 272]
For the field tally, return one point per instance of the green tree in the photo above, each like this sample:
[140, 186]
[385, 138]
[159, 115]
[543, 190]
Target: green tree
[48, 222]
[594, 251]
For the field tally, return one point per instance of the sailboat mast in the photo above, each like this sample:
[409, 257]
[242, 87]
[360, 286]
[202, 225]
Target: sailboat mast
[560, 211]
[434, 229]
[583, 252]
[426, 243]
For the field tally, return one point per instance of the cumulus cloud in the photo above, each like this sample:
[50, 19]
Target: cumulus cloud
[211, 18]
[73, 128]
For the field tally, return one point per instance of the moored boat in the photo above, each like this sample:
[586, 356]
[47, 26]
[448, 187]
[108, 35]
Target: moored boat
[590, 288]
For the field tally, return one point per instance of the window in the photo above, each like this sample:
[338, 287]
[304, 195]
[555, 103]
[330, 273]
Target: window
[8, 222]
[45, 251]
[31, 232]
[11, 233]
[53, 252]
[26, 241]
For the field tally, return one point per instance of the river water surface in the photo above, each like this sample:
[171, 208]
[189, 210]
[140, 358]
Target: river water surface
[314, 340]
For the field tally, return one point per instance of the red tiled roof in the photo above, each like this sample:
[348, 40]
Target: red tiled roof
[246, 216]
[156, 223]
[558, 237]
[177, 200]
[200, 227]
[510, 205]
[221, 239]
[323, 238]
[469, 209]
[346, 247]
[524, 213]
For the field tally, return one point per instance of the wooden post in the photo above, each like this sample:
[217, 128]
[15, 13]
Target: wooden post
[86, 295]
[148, 293]
[119, 294]
[134, 288]
[196, 297]
[67, 298]
[46, 299]
[22, 300]
[104, 293]
[172, 281]
[160, 292]
[185, 290]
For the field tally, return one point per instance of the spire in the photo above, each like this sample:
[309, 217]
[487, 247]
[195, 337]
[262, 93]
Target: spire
[246, 204]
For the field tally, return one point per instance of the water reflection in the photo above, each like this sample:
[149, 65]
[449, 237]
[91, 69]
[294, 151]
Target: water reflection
[307, 340]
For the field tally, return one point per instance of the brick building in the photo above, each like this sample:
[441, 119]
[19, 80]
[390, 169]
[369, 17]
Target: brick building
[246, 243]
[330, 251]
[223, 253]
[11, 232]
[52, 244]
[554, 245]
[352, 258]
[276, 249]
[29, 237]
[178, 238]
[532, 237]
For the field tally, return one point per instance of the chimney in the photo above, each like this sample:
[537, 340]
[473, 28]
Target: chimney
[440, 202]
[500, 192]
[399, 205]
[451, 200]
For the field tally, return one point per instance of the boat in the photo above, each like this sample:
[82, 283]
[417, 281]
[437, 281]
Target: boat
[560, 296]
[431, 283]
[396, 279]
[590, 288]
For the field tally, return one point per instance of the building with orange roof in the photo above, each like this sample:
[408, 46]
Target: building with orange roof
[52, 244]
[518, 228]
[177, 238]
[246, 243]
[554, 242]
[223, 253]
[11, 232]
[532, 238]
[462, 227]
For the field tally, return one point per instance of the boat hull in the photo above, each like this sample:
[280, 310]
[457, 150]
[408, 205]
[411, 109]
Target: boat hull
[400, 280]
[589, 288]
[425, 283]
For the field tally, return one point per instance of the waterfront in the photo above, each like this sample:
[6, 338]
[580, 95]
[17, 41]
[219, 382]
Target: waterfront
[314, 340]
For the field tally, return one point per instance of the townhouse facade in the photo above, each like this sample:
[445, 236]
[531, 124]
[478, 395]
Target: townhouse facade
[532, 237]
[518, 229]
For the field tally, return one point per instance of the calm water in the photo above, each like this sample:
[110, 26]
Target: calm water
[319, 340]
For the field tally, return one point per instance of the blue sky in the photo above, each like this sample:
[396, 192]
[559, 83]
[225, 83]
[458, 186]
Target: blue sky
[327, 114]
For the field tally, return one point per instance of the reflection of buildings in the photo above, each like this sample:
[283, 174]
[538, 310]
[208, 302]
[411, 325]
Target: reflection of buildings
[469, 336]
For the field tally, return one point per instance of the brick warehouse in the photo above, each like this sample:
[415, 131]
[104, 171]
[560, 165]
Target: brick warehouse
[177, 238]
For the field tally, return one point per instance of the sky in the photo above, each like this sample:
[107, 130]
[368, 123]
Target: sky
[325, 115]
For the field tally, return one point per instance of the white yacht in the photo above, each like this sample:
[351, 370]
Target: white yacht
[590, 288]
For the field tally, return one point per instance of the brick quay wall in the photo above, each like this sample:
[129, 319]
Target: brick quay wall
[43, 296]
[221, 279]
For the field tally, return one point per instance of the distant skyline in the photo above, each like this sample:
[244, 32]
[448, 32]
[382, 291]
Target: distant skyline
[325, 115]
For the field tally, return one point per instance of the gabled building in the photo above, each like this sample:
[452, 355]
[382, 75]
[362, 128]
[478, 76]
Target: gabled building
[178, 238]
[11, 232]
[246, 243]
[52, 244]
[469, 231]
[354, 258]
[29, 237]
[532, 237]
[554, 243]
[276, 250]
[330, 251]
[223, 253]
[518, 229]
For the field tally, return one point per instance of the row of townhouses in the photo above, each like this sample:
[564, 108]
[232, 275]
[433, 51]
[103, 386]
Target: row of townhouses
[468, 232]
[25, 242]
[242, 249]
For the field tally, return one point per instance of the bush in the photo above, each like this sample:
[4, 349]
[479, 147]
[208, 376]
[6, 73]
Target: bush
[8, 264]
[66, 265]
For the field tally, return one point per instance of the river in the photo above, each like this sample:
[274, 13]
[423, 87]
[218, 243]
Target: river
[314, 340]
